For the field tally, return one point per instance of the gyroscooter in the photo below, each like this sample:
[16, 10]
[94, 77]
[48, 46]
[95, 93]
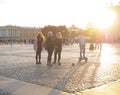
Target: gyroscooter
[82, 54]
[83, 58]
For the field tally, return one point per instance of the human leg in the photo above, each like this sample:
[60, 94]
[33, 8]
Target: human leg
[50, 52]
[59, 55]
[80, 50]
[48, 58]
[36, 57]
[83, 49]
[55, 55]
[39, 54]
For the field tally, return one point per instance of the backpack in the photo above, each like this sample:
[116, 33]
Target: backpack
[91, 47]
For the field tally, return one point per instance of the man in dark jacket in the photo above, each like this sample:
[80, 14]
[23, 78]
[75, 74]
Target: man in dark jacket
[49, 47]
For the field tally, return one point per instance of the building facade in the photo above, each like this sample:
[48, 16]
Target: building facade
[74, 31]
[16, 33]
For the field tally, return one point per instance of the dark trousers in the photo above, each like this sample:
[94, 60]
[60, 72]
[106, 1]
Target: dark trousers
[38, 56]
[57, 53]
[50, 52]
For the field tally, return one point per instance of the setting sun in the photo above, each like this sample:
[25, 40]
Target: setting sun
[103, 19]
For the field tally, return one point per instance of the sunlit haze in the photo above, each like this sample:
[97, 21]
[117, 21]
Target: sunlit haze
[38, 13]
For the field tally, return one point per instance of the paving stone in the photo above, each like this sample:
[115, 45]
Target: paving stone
[18, 62]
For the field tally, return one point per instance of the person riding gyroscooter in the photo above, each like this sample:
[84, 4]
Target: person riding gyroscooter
[81, 41]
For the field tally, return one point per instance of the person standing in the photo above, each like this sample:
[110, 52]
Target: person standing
[49, 47]
[81, 41]
[38, 45]
[98, 43]
[58, 48]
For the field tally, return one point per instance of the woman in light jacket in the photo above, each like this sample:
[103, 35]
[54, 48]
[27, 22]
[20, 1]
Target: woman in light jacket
[38, 45]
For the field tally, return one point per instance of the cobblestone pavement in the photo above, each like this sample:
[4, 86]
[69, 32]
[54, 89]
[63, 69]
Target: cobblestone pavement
[4, 93]
[18, 62]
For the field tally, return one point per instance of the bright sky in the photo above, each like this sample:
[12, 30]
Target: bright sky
[39, 13]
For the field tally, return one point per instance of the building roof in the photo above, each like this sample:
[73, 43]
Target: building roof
[73, 28]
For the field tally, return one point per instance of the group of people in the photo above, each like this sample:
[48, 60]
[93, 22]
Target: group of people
[51, 44]
[54, 45]
[98, 43]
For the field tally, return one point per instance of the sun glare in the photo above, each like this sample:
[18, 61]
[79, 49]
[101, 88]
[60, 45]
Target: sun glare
[77, 12]
[107, 55]
[104, 19]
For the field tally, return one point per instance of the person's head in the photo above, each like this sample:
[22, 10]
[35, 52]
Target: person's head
[59, 35]
[39, 36]
[50, 33]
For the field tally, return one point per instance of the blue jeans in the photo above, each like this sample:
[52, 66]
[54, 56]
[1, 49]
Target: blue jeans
[82, 50]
